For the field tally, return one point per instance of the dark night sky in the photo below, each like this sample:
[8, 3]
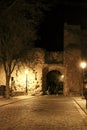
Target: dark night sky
[52, 29]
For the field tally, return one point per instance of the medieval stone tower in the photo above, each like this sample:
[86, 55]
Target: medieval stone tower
[67, 62]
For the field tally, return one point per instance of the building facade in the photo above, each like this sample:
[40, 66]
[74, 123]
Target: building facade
[67, 63]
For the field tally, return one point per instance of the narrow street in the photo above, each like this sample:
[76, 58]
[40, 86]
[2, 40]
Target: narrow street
[43, 113]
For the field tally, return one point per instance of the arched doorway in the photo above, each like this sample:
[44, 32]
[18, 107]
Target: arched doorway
[54, 82]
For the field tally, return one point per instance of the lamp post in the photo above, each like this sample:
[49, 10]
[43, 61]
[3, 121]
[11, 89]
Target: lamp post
[26, 72]
[83, 66]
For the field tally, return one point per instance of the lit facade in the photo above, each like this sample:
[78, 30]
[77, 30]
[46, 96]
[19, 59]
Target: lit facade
[68, 63]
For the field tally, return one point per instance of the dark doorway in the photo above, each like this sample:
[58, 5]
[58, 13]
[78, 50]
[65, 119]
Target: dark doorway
[54, 82]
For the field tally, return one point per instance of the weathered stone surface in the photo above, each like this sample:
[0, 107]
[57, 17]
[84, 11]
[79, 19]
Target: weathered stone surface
[69, 67]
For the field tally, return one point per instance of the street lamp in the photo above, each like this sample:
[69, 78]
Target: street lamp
[83, 66]
[26, 72]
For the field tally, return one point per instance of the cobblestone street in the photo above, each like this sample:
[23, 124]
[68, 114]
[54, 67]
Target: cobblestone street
[43, 113]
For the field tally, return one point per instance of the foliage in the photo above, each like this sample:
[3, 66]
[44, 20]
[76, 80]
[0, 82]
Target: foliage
[19, 23]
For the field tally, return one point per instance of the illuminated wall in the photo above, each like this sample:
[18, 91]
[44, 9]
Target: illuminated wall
[34, 82]
[34, 76]
[69, 67]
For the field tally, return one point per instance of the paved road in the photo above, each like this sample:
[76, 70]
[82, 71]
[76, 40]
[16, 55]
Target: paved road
[43, 113]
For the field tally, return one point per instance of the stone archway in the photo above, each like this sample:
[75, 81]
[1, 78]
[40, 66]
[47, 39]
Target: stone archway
[59, 68]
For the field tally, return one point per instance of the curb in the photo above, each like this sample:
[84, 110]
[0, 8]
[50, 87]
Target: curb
[12, 100]
[80, 105]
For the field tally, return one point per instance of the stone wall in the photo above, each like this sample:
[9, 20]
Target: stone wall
[74, 75]
[70, 67]
[72, 57]
[34, 76]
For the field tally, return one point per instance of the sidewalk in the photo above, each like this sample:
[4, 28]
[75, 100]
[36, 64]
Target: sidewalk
[81, 102]
[4, 101]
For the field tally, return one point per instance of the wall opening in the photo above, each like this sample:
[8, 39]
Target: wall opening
[54, 82]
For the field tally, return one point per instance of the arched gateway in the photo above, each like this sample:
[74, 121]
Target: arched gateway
[67, 63]
[49, 82]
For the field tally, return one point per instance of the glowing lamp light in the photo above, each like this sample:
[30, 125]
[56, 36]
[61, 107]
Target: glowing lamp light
[83, 65]
[26, 72]
[62, 76]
